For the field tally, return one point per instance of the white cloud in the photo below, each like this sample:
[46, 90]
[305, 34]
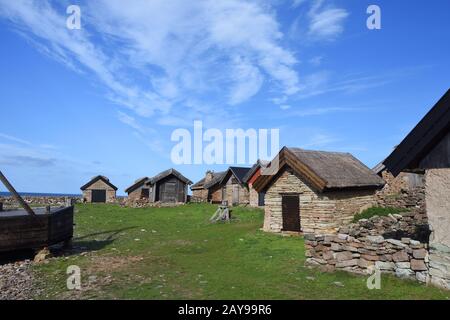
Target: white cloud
[326, 22]
[154, 55]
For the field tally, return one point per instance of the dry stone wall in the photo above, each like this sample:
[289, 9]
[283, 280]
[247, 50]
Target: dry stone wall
[11, 203]
[370, 243]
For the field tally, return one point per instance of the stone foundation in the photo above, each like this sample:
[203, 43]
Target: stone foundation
[11, 203]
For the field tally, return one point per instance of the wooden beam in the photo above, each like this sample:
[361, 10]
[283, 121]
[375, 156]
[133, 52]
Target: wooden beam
[16, 195]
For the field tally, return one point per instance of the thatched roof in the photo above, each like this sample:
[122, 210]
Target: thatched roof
[324, 170]
[167, 173]
[97, 178]
[139, 182]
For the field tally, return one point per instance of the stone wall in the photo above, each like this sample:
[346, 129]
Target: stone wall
[253, 197]
[319, 212]
[438, 211]
[11, 203]
[404, 191]
[396, 244]
[199, 195]
[405, 258]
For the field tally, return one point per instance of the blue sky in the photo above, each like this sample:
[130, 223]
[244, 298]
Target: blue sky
[105, 99]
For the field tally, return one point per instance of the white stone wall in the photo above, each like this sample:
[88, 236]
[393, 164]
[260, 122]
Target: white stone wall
[437, 198]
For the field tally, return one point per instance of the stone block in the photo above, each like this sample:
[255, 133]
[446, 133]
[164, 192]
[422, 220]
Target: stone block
[348, 263]
[397, 243]
[405, 273]
[362, 263]
[400, 256]
[387, 266]
[403, 265]
[422, 276]
[420, 254]
[418, 265]
[343, 256]
[375, 239]
[370, 257]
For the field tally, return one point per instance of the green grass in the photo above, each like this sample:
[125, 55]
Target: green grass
[377, 211]
[180, 255]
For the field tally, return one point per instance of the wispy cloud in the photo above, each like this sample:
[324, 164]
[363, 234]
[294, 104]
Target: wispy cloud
[183, 48]
[326, 21]
[13, 139]
[26, 161]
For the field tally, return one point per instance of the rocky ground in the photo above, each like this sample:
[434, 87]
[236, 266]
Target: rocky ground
[16, 281]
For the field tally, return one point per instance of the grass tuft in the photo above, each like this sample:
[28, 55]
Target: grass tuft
[377, 211]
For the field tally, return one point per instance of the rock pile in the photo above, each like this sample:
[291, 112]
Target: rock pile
[16, 281]
[396, 226]
[10, 202]
[406, 258]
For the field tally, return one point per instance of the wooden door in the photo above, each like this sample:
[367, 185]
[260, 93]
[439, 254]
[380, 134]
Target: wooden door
[98, 196]
[169, 192]
[235, 194]
[291, 213]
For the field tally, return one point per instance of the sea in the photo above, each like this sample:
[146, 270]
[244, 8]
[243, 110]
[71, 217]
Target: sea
[36, 194]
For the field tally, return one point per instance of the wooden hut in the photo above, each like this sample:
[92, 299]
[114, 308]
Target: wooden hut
[229, 186]
[315, 191]
[426, 150]
[99, 190]
[169, 186]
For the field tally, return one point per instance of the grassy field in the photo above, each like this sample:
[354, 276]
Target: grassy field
[175, 253]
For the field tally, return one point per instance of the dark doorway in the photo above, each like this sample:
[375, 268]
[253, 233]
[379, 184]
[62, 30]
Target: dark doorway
[98, 196]
[291, 213]
[145, 193]
[261, 198]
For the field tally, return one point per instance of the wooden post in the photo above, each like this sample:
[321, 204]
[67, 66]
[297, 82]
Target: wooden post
[16, 195]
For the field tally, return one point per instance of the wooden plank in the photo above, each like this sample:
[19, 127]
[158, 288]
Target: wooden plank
[16, 195]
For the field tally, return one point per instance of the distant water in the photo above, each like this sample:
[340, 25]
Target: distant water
[35, 194]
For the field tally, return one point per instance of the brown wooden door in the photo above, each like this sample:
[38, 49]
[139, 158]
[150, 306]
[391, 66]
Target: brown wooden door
[235, 195]
[169, 192]
[291, 213]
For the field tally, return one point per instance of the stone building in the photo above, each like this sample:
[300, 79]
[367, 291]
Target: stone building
[229, 186]
[199, 191]
[99, 190]
[139, 190]
[315, 191]
[169, 186]
[426, 150]
[256, 199]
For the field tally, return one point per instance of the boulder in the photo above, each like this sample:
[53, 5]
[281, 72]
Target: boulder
[405, 273]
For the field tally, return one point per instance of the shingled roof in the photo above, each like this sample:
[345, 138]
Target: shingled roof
[167, 173]
[422, 139]
[139, 182]
[217, 178]
[325, 170]
[97, 178]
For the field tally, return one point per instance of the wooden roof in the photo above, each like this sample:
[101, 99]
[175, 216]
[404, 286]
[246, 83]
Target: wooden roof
[217, 178]
[254, 169]
[422, 139]
[167, 173]
[323, 170]
[97, 178]
[139, 182]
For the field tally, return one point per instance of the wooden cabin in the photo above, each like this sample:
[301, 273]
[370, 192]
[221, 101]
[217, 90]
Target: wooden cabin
[426, 150]
[315, 191]
[256, 199]
[99, 190]
[169, 186]
[229, 186]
